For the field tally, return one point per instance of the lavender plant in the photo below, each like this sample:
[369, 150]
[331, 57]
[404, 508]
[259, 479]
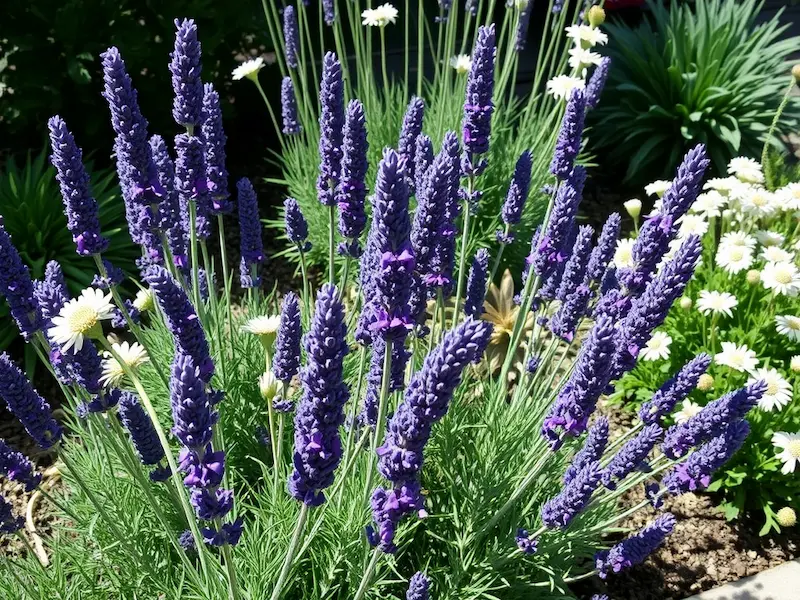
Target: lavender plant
[215, 453]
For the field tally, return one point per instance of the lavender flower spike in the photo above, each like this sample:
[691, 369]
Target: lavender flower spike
[181, 319]
[632, 456]
[17, 287]
[633, 550]
[79, 206]
[291, 37]
[603, 252]
[214, 138]
[291, 124]
[8, 522]
[575, 268]
[143, 434]
[412, 128]
[675, 390]
[252, 246]
[478, 105]
[592, 449]
[558, 512]
[597, 82]
[518, 190]
[352, 190]
[51, 294]
[568, 144]
[17, 467]
[565, 322]
[170, 219]
[476, 284]
[185, 68]
[192, 183]
[522, 26]
[418, 587]
[331, 128]
[296, 225]
[423, 159]
[329, 10]
[27, 405]
[286, 362]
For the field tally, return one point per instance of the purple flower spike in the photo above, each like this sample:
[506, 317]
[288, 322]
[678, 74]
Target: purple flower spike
[329, 10]
[170, 218]
[214, 138]
[476, 284]
[568, 144]
[79, 205]
[352, 189]
[632, 456]
[191, 182]
[17, 287]
[597, 82]
[185, 67]
[565, 322]
[191, 409]
[369, 414]
[51, 294]
[331, 129]
[603, 252]
[518, 190]
[8, 522]
[291, 36]
[320, 411]
[522, 27]
[17, 467]
[296, 225]
[525, 542]
[181, 319]
[27, 405]
[592, 450]
[423, 159]
[286, 362]
[558, 512]
[575, 268]
[418, 587]
[478, 105]
[291, 124]
[675, 390]
[635, 549]
[712, 420]
[252, 247]
[138, 424]
[412, 128]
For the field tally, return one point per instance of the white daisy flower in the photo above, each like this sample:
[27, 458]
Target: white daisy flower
[144, 300]
[790, 196]
[658, 187]
[586, 35]
[561, 86]
[264, 325]
[769, 238]
[380, 16]
[708, 204]
[794, 363]
[657, 347]
[758, 202]
[746, 170]
[133, 355]
[80, 318]
[723, 185]
[781, 278]
[775, 254]
[623, 255]
[734, 259]
[581, 58]
[656, 208]
[691, 225]
[738, 238]
[249, 69]
[268, 385]
[789, 444]
[779, 391]
[462, 63]
[738, 358]
[687, 411]
[788, 325]
[717, 303]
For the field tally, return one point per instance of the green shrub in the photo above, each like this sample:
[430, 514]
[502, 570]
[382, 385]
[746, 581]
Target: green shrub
[703, 73]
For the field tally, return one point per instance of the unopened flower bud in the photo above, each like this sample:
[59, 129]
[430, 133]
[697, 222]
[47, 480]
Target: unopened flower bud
[144, 300]
[794, 365]
[705, 382]
[634, 207]
[686, 303]
[786, 517]
[796, 73]
[597, 16]
[753, 276]
[268, 386]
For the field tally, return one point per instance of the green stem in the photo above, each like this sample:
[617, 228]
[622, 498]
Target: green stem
[332, 243]
[230, 570]
[383, 63]
[198, 303]
[462, 260]
[774, 124]
[278, 129]
[297, 537]
[368, 573]
[224, 258]
[420, 45]
[306, 290]
[355, 399]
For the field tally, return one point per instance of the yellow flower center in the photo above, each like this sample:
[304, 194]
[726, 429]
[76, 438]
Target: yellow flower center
[759, 200]
[794, 448]
[83, 319]
[737, 254]
[793, 324]
[783, 277]
[772, 388]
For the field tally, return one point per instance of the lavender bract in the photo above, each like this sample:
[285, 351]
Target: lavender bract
[633, 550]
[331, 128]
[286, 362]
[214, 139]
[185, 67]
[291, 124]
[296, 225]
[524, 21]
[675, 390]
[568, 144]
[526, 543]
[476, 284]
[252, 247]
[27, 405]
[352, 189]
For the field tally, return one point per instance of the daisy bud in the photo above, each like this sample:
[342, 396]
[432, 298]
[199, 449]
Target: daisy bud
[686, 303]
[753, 276]
[786, 516]
[634, 207]
[596, 16]
[268, 386]
[144, 300]
[705, 383]
[796, 73]
[794, 365]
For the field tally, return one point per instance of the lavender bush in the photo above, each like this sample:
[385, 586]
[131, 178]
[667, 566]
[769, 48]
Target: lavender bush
[211, 453]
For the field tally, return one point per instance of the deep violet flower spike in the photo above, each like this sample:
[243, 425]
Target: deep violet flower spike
[636, 548]
[418, 587]
[17, 288]
[632, 456]
[181, 319]
[252, 246]
[603, 252]
[411, 129]
[51, 293]
[27, 405]
[291, 123]
[352, 190]
[331, 129]
[592, 450]
[526, 543]
[296, 225]
[214, 139]
[329, 10]
[559, 511]
[712, 420]
[191, 182]
[8, 522]
[191, 409]
[596, 82]
[17, 467]
[522, 27]
[320, 411]
[138, 424]
[291, 36]
[286, 362]
[170, 219]
[476, 284]
[185, 68]
[675, 390]
[423, 159]
[575, 268]
[568, 143]
[79, 205]
[518, 190]
[478, 105]
[565, 322]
